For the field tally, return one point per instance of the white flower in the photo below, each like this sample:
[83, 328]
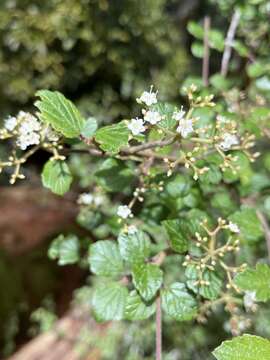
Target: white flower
[149, 98]
[249, 300]
[228, 140]
[233, 227]
[153, 117]
[28, 131]
[132, 229]
[27, 139]
[51, 135]
[178, 115]
[136, 126]
[85, 199]
[98, 200]
[11, 123]
[123, 211]
[185, 127]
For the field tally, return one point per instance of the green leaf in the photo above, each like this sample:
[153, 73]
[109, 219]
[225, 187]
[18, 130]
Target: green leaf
[56, 176]
[220, 82]
[197, 49]
[109, 302]
[113, 137]
[147, 279]
[60, 113]
[135, 247]
[105, 259]
[246, 347]
[212, 176]
[90, 127]
[210, 291]
[137, 309]
[114, 176]
[263, 83]
[65, 249]
[177, 231]
[255, 280]
[166, 111]
[177, 186]
[195, 29]
[256, 69]
[178, 303]
[216, 40]
[248, 223]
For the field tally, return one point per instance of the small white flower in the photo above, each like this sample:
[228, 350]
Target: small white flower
[250, 300]
[85, 199]
[28, 139]
[132, 229]
[185, 127]
[233, 228]
[228, 140]
[98, 200]
[11, 123]
[51, 135]
[153, 117]
[136, 126]
[123, 211]
[178, 115]
[149, 98]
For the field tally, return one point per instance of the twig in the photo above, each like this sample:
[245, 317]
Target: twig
[205, 69]
[158, 329]
[229, 42]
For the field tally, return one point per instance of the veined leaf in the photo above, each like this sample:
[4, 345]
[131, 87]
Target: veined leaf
[60, 113]
[113, 137]
[56, 176]
[147, 279]
[135, 247]
[137, 309]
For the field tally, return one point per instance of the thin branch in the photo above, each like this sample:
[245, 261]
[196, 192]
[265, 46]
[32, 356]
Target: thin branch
[158, 329]
[229, 42]
[206, 52]
[150, 145]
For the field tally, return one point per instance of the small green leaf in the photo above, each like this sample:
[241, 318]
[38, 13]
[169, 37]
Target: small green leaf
[220, 82]
[178, 303]
[60, 113]
[177, 186]
[246, 347]
[135, 247]
[137, 309]
[177, 231]
[212, 176]
[210, 291]
[147, 279]
[195, 29]
[166, 111]
[65, 249]
[113, 137]
[248, 223]
[216, 40]
[89, 128]
[197, 49]
[105, 259]
[56, 176]
[109, 302]
[255, 280]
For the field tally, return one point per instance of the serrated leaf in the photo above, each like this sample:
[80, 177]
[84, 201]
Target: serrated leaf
[212, 176]
[177, 231]
[60, 113]
[113, 137]
[177, 186]
[109, 302]
[135, 247]
[210, 291]
[137, 309]
[69, 250]
[255, 280]
[147, 279]
[56, 176]
[246, 347]
[248, 223]
[105, 258]
[178, 303]
[65, 249]
[89, 127]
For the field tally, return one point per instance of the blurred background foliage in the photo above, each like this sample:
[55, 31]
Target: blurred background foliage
[102, 54]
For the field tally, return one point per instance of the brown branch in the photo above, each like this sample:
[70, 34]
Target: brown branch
[151, 145]
[229, 42]
[206, 52]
